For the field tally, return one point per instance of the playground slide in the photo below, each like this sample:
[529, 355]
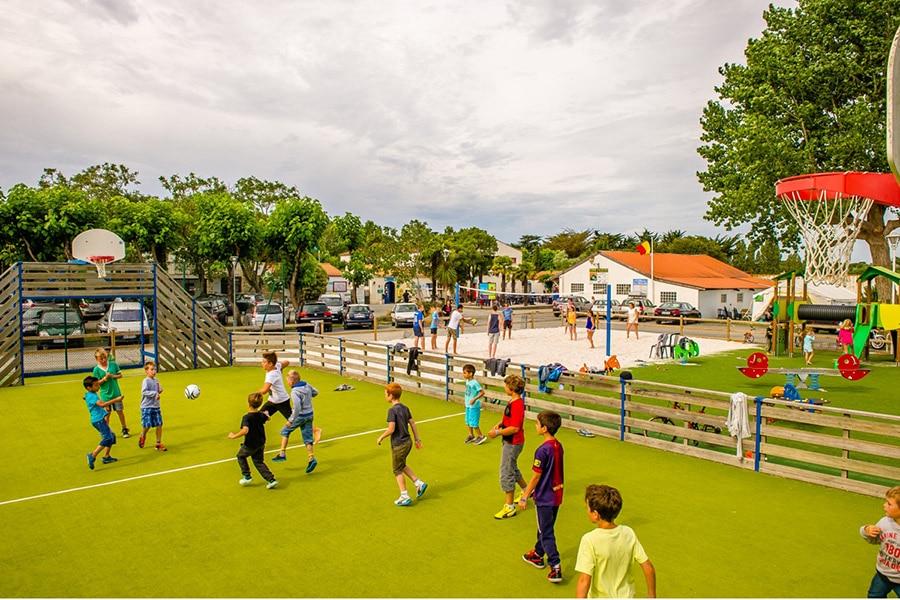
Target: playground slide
[861, 338]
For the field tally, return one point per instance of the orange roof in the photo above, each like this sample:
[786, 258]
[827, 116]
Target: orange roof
[693, 270]
[331, 270]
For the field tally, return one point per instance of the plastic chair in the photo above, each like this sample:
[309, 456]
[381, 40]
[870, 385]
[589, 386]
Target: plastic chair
[669, 347]
[657, 347]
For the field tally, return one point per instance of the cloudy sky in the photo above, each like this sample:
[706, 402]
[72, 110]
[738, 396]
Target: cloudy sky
[520, 117]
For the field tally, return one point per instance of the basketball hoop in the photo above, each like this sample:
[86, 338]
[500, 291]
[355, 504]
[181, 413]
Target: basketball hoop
[829, 209]
[100, 262]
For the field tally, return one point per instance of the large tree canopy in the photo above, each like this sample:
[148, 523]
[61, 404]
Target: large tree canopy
[811, 98]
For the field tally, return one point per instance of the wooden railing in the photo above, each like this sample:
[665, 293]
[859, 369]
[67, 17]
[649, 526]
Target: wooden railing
[851, 450]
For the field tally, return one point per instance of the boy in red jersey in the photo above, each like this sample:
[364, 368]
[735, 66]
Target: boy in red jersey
[510, 428]
[546, 488]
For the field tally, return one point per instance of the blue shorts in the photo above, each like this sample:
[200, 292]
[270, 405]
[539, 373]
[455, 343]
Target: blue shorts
[107, 437]
[151, 417]
[305, 425]
[473, 414]
[417, 331]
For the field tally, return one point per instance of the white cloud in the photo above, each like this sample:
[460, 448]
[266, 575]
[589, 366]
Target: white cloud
[521, 117]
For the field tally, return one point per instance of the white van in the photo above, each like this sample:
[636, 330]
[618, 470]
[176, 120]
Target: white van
[128, 319]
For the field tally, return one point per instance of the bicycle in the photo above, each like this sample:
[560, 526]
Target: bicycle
[748, 336]
[691, 424]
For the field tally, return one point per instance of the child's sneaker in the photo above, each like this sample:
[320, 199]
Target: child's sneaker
[469, 439]
[271, 484]
[555, 574]
[141, 441]
[403, 501]
[506, 512]
[126, 433]
[108, 459]
[91, 461]
[280, 458]
[420, 489]
[480, 440]
[245, 480]
[161, 448]
[310, 467]
[531, 557]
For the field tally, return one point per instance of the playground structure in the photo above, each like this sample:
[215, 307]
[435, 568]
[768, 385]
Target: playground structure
[183, 336]
[829, 209]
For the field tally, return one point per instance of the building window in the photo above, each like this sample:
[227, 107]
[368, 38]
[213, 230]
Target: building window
[723, 298]
[577, 288]
[740, 297]
[600, 288]
[668, 297]
[623, 289]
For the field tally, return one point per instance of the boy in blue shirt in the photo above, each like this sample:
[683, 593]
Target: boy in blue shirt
[302, 394]
[473, 396]
[419, 326]
[546, 489]
[98, 420]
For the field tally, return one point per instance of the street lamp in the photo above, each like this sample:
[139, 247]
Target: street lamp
[234, 261]
[893, 239]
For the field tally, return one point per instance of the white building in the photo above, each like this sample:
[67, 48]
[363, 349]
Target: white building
[701, 280]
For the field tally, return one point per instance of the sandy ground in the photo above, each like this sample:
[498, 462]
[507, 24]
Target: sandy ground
[549, 345]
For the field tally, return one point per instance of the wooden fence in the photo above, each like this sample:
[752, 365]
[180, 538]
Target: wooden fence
[851, 450]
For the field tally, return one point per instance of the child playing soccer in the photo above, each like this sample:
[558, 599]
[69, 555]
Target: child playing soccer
[886, 533]
[546, 489]
[253, 430]
[606, 554]
[151, 416]
[513, 442]
[474, 394]
[302, 419]
[399, 421]
[279, 400]
[108, 372]
[97, 408]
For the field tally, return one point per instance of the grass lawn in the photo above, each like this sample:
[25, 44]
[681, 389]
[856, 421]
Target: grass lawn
[177, 524]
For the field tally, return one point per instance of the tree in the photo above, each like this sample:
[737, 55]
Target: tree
[573, 243]
[811, 98]
[357, 272]
[503, 266]
[293, 229]
[147, 225]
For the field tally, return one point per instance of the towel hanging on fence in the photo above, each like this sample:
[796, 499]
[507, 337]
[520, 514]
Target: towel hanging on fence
[413, 361]
[737, 422]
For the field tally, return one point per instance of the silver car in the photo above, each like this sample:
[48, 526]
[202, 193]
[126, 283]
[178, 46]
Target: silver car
[403, 314]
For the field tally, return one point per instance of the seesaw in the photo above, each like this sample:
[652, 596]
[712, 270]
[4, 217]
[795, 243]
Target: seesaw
[847, 367]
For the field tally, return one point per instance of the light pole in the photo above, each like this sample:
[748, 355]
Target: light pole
[234, 261]
[893, 238]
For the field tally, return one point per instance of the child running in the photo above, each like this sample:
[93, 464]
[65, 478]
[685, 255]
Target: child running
[510, 428]
[151, 416]
[606, 554]
[302, 394]
[474, 394]
[399, 421]
[546, 489]
[97, 409]
[886, 533]
[279, 400]
[253, 430]
[108, 372]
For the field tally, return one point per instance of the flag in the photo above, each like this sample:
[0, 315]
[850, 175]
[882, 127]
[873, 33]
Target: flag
[643, 248]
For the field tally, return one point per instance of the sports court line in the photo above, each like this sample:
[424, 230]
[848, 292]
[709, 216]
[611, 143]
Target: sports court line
[207, 464]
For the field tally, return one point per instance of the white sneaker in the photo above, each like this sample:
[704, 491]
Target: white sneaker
[271, 484]
[245, 480]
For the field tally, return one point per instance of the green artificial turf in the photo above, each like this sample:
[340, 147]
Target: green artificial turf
[177, 524]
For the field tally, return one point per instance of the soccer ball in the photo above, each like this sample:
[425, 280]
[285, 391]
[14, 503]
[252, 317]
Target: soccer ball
[191, 391]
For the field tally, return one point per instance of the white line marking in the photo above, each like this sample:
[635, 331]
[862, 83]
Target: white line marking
[208, 464]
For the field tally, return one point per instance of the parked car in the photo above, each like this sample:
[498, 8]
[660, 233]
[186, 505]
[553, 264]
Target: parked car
[335, 304]
[55, 327]
[94, 308]
[246, 302]
[675, 310]
[403, 313]
[644, 306]
[599, 308]
[128, 319]
[32, 316]
[582, 304]
[312, 312]
[225, 298]
[268, 316]
[359, 315]
[215, 306]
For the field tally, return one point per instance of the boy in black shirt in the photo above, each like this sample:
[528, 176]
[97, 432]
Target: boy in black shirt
[253, 430]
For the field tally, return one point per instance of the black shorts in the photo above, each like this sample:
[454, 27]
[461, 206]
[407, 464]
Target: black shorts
[507, 324]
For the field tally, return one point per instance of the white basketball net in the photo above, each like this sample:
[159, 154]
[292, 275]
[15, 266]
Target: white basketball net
[829, 228]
